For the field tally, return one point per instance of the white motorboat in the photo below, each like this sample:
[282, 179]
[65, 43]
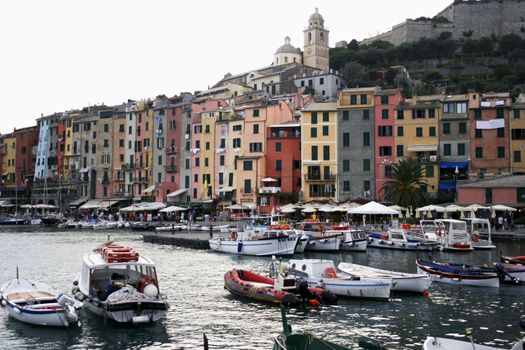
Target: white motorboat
[324, 243]
[255, 242]
[171, 228]
[453, 235]
[351, 240]
[38, 304]
[303, 239]
[480, 227]
[119, 284]
[396, 238]
[401, 281]
[322, 273]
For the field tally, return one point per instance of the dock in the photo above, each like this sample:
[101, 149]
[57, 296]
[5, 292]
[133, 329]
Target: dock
[194, 240]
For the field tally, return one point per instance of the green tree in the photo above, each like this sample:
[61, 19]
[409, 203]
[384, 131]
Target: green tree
[404, 186]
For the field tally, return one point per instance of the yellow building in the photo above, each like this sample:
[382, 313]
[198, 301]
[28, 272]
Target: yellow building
[69, 165]
[517, 136]
[207, 154]
[319, 151]
[416, 133]
[9, 161]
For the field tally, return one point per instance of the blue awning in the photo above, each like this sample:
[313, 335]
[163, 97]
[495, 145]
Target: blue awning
[453, 165]
[447, 185]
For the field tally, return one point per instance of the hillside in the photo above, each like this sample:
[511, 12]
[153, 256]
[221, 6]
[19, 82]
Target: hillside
[434, 65]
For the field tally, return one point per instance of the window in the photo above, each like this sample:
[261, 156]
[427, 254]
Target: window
[366, 114]
[366, 185]
[384, 130]
[399, 150]
[247, 165]
[477, 114]
[499, 113]
[296, 164]
[314, 118]
[520, 194]
[278, 165]
[478, 133]
[237, 143]
[366, 164]
[419, 132]
[207, 145]
[121, 143]
[388, 171]
[363, 99]
[206, 162]
[501, 152]
[501, 132]
[432, 131]
[313, 132]
[384, 100]
[346, 139]
[488, 195]
[256, 147]
[278, 146]
[197, 162]
[247, 186]
[418, 113]
[325, 130]
[353, 99]
[221, 178]
[517, 156]
[321, 80]
[446, 128]
[346, 115]
[255, 128]
[255, 112]
[366, 139]
[461, 149]
[221, 160]
[431, 113]
[187, 163]
[326, 117]
[400, 131]
[429, 171]
[385, 151]
[346, 186]
[518, 134]
[314, 153]
[237, 128]
[516, 114]
[479, 152]
[326, 152]
[384, 114]
[223, 143]
[400, 114]
[346, 164]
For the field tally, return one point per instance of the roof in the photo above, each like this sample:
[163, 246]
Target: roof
[454, 98]
[501, 182]
[362, 89]
[386, 92]
[287, 47]
[320, 106]
[95, 259]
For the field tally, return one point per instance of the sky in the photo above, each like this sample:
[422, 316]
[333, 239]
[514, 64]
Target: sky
[59, 55]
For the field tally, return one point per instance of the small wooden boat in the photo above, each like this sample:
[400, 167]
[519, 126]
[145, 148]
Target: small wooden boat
[401, 281]
[289, 340]
[516, 260]
[451, 273]
[38, 304]
[285, 290]
[322, 273]
[510, 273]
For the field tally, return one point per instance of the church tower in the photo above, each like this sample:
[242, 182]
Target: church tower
[316, 52]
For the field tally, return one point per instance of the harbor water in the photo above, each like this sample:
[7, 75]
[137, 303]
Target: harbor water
[193, 283]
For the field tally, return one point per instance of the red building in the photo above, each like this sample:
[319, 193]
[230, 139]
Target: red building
[283, 164]
[385, 102]
[26, 143]
[61, 128]
[508, 190]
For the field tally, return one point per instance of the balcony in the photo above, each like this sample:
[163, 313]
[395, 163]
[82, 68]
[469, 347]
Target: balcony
[427, 160]
[141, 180]
[318, 177]
[269, 189]
[122, 194]
[120, 179]
[105, 181]
[285, 134]
[128, 166]
[170, 168]
[171, 150]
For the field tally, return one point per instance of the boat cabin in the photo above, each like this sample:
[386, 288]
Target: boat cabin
[453, 233]
[318, 268]
[100, 277]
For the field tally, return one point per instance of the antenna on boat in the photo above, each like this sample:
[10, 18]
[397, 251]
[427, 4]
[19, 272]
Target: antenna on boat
[17, 272]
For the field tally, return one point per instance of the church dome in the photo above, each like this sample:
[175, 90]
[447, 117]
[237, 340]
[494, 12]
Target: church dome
[287, 47]
[316, 18]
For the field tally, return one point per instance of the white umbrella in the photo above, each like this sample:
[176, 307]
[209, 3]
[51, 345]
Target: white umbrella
[288, 210]
[400, 214]
[269, 179]
[326, 209]
[453, 208]
[429, 213]
[172, 209]
[493, 214]
[26, 206]
[437, 208]
[397, 207]
[473, 214]
[462, 216]
[408, 212]
[445, 216]
[500, 207]
[309, 210]
[417, 214]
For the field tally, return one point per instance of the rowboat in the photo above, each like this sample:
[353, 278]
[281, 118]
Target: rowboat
[322, 273]
[459, 274]
[38, 304]
[401, 281]
[517, 260]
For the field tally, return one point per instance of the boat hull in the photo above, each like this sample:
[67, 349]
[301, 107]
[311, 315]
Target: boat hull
[280, 246]
[451, 276]
[437, 343]
[39, 318]
[354, 288]
[387, 244]
[128, 312]
[324, 244]
[354, 246]
[301, 245]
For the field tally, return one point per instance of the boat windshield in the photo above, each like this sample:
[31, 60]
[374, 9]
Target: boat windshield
[120, 275]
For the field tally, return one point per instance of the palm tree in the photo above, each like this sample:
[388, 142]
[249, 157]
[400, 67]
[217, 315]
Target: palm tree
[404, 186]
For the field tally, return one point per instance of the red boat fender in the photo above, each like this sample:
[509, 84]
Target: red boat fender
[233, 235]
[314, 302]
[475, 236]
[406, 226]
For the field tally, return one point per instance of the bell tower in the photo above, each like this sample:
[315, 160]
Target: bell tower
[316, 49]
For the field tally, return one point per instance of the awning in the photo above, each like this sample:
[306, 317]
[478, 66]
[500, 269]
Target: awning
[226, 189]
[268, 179]
[149, 189]
[77, 202]
[453, 165]
[422, 148]
[177, 192]
[83, 170]
[98, 204]
[449, 185]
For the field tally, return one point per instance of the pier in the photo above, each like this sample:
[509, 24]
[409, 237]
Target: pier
[194, 240]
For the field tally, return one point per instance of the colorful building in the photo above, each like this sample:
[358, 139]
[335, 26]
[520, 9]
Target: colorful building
[517, 136]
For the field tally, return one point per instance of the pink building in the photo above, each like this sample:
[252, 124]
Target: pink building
[385, 102]
[508, 190]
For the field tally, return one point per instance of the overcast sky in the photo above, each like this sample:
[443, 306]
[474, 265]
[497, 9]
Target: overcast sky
[63, 55]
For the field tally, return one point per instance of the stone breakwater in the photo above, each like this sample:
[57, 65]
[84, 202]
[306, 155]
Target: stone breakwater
[185, 240]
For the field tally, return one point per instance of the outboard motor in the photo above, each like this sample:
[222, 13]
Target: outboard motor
[522, 322]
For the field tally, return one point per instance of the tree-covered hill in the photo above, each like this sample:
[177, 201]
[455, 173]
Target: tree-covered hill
[434, 65]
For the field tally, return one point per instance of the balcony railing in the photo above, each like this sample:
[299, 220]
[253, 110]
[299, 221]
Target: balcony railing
[322, 194]
[141, 180]
[428, 160]
[318, 177]
[128, 166]
[285, 134]
[313, 177]
[269, 189]
[171, 150]
[105, 181]
[170, 168]
[122, 194]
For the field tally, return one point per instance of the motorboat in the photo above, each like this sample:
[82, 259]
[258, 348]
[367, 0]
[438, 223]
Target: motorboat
[396, 238]
[517, 260]
[458, 274]
[256, 242]
[322, 273]
[173, 227]
[39, 304]
[303, 239]
[401, 281]
[11, 220]
[289, 340]
[429, 229]
[282, 289]
[52, 219]
[324, 242]
[119, 284]
[453, 235]
[351, 240]
[480, 233]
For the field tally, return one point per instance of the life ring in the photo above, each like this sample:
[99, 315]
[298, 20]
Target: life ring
[234, 235]
[475, 236]
[438, 232]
